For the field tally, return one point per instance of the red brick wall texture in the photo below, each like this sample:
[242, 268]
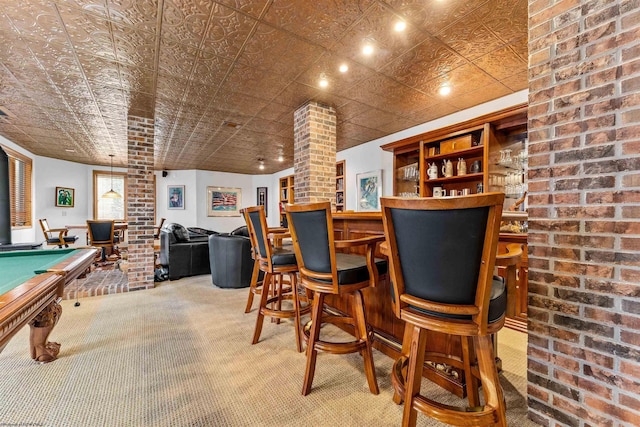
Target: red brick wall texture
[584, 209]
[140, 203]
[314, 153]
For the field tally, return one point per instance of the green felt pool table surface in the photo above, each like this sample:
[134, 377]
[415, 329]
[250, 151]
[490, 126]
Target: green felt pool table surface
[19, 266]
[31, 283]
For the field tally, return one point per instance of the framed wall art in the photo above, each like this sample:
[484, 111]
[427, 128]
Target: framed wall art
[175, 197]
[65, 197]
[223, 201]
[261, 199]
[369, 190]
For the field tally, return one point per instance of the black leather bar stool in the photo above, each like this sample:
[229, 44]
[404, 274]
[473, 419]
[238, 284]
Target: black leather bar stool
[255, 287]
[275, 262]
[441, 256]
[325, 271]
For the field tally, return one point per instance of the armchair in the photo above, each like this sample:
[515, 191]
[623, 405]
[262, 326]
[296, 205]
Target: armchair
[101, 234]
[56, 236]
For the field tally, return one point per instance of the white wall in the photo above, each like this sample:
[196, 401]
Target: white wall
[206, 179]
[187, 216]
[49, 173]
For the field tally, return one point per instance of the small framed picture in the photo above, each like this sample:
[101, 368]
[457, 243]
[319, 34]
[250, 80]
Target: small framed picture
[369, 190]
[175, 197]
[65, 197]
[223, 201]
[261, 199]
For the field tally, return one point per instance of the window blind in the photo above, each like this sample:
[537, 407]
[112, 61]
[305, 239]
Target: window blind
[19, 188]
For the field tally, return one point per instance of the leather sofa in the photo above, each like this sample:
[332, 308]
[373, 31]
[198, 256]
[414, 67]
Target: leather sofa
[230, 259]
[184, 252]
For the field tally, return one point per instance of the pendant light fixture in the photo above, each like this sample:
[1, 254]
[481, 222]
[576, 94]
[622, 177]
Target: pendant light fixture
[111, 194]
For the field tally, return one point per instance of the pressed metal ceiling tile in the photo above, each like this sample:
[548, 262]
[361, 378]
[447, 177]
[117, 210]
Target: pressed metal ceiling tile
[71, 71]
[350, 130]
[521, 47]
[501, 63]
[296, 95]
[134, 46]
[517, 82]
[210, 70]
[478, 96]
[227, 31]
[377, 26]
[321, 22]
[371, 115]
[264, 47]
[435, 15]
[142, 14]
[251, 81]
[430, 59]
[470, 39]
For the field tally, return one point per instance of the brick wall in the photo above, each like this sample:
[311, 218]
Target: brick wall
[315, 153]
[140, 203]
[584, 209]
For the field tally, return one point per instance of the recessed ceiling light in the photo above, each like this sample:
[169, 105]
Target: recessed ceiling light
[323, 82]
[400, 26]
[445, 89]
[367, 48]
[69, 150]
[344, 68]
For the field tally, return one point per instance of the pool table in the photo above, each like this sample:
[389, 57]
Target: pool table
[31, 286]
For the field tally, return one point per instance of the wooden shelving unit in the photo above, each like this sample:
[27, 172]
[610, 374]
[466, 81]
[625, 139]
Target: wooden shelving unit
[497, 144]
[286, 195]
[340, 186]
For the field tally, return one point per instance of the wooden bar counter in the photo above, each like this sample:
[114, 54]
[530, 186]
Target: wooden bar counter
[388, 330]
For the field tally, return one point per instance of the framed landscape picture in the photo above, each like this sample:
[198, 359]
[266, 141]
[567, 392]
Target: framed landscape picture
[223, 201]
[369, 191]
[175, 197]
[65, 197]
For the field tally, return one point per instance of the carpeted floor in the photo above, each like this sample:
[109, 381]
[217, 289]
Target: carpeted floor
[179, 355]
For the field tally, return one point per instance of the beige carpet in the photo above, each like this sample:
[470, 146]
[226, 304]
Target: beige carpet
[179, 355]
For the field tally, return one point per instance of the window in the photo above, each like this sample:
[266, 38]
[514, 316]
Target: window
[19, 188]
[106, 208]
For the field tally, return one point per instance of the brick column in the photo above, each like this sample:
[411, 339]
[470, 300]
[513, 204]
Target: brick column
[315, 153]
[140, 203]
[584, 213]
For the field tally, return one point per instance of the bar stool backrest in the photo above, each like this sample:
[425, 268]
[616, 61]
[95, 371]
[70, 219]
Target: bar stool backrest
[443, 250]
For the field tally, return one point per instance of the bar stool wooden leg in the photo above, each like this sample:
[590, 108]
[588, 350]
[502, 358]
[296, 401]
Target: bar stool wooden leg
[492, 390]
[414, 374]
[398, 397]
[253, 287]
[268, 279]
[314, 334]
[471, 382]
[296, 306]
[362, 333]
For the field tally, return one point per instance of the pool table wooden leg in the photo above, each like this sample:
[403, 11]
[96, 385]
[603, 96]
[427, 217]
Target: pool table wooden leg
[43, 351]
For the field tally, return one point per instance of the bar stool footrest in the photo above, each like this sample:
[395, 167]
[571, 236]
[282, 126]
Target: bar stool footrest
[455, 415]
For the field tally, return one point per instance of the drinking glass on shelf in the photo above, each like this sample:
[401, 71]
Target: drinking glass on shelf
[507, 156]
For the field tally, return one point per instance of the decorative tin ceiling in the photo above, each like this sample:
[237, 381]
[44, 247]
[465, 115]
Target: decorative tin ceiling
[71, 71]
